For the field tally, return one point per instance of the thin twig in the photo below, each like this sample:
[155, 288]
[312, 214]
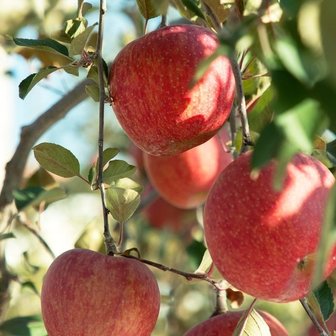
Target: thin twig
[39, 237]
[31, 133]
[313, 318]
[110, 244]
[241, 105]
[186, 275]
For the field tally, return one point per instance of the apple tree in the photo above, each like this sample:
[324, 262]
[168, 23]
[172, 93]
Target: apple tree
[211, 189]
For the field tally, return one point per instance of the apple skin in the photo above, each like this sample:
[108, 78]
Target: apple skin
[225, 324]
[86, 293]
[262, 241]
[185, 179]
[151, 93]
[161, 214]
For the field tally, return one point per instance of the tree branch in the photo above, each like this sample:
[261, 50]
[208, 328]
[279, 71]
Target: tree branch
[188, 276]
[110, 245]
[30, 134]
[241, 105]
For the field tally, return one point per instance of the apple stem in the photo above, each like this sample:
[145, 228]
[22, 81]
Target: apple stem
[313, 318]
[241, 106]
[110, 244]
[163, 22]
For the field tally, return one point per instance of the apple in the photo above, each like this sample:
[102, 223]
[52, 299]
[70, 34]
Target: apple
[225, 324]
[86, 293]
[264, 241]
[137, 155]
[150, 86]
[185, 179]
[161, 214]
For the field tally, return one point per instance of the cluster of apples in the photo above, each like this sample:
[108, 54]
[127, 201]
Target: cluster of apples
[261, 240]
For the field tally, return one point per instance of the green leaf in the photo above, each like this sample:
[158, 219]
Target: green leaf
[328, 34]
[253, 324]
[289, 90]
[7, 235]
[26, 196]
[71, 69]
[289, 133]
[109, 154]
[92, 175]
[79, 42]
[192, 5]
[327, 239]
[152, 8]
[325, 299]
[117, 169]
[45, 44]
[28, 83]
[57, 159]
[260, 112]
[24, 326]
[290, 7]
[122, 203]
[92, 90]
[301, 124]
[195, 251]
[287, 49]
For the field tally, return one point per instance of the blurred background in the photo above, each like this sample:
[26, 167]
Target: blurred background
[161, 232]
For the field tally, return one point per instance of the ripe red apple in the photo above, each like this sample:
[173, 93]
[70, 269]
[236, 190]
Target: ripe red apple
[161, 214]
[137, 155]
[225, 324]
[263, 241]
[86, 293]
[152, 97]
[185, 179]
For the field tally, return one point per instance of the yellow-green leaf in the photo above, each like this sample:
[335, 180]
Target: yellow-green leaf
[122, 203]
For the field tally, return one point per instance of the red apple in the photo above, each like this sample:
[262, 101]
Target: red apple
[161, 214]
[263, 241]
[151, 92]
[86, 293]
[137, 155]
[185, 179]
[225, 324]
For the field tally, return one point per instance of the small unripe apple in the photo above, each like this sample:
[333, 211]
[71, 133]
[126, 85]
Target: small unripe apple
[225, 324]
[185, 179]
[150, 85]
[86, 293]
[264, 241]
[161, 214]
